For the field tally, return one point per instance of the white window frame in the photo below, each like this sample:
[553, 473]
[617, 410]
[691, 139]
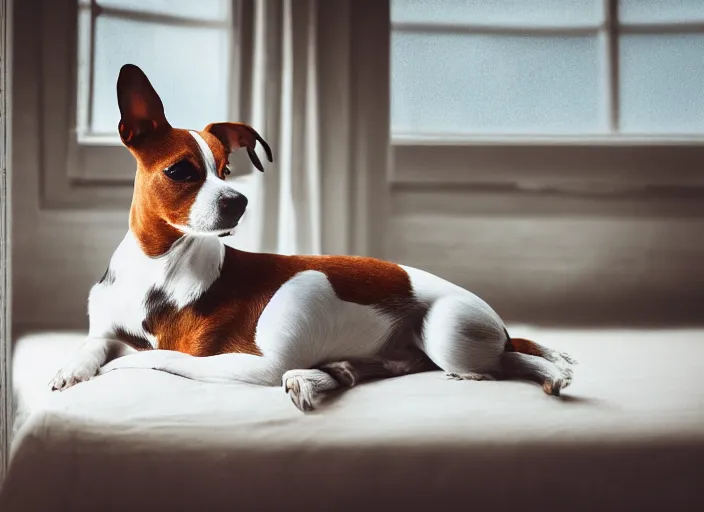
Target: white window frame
[84, 169]
[607, 163]
[5, 249]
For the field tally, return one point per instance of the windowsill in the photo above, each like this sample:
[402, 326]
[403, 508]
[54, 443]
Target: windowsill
[98, 139]
[450, 139]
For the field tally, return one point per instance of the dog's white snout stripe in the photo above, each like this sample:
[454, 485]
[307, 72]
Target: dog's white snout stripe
[205, 214]
[206, 153]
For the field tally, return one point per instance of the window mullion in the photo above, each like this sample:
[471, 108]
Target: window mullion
[94, 11]
[612, 63]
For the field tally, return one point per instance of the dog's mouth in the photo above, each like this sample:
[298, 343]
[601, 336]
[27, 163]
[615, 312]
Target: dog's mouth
[227, 232]
[219, 232]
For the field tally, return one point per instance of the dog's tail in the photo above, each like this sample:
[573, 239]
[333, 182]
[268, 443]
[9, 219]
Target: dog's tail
[526, 359]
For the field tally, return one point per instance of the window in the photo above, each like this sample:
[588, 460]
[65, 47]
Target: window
[188, 50]
[590, 79]
[183, 46]
[547, 67]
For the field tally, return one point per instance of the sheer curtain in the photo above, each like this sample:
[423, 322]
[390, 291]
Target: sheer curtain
[313, 78]
[281, 100]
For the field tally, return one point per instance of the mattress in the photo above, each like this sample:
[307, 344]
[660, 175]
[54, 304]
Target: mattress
[629, 433]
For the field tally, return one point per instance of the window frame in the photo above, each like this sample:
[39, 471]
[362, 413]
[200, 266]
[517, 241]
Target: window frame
[612, 162]
[6, 405]
[84, 170]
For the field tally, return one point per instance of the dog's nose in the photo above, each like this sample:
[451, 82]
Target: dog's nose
[233, 205]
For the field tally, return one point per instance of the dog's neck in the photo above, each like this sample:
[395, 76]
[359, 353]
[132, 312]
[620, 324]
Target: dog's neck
[183, 273]
[154, 235]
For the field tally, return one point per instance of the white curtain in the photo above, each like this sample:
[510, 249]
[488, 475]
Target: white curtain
[285, 202]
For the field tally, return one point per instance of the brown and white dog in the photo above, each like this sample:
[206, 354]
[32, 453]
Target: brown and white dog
[173, 290]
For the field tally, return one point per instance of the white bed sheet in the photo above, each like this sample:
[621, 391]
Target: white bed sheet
[629, 432]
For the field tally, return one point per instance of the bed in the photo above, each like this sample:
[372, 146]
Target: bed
[629, 433]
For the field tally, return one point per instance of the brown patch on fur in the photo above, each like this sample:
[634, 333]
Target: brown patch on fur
[526, 347]
[224, 319]
[240, 135]
[158, 202]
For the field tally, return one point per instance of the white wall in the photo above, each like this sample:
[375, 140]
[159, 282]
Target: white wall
[59, 253]
[547, 259]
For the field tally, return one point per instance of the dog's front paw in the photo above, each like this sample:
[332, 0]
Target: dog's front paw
[67, 377]
[307, 388]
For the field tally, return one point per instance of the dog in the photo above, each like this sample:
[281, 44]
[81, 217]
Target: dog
[192, 306]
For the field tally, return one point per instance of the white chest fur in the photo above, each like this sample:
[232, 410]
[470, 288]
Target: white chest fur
[183, 274]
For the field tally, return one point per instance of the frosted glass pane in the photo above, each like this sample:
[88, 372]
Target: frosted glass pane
[633, 11]
[662, 83]
[512, 12]
[199, 9]
[188, 67]
[495, 84]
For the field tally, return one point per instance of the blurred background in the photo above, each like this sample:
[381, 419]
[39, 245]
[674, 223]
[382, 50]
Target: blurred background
[546, 154]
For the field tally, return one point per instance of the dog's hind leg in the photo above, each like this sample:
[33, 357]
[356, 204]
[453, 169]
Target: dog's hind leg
[352, 372]
[464, 337]
[308, 388]
[552, 377]
[468, 340]
[525, 346]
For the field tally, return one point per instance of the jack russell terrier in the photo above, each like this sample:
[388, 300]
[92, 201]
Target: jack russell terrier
[194, 307]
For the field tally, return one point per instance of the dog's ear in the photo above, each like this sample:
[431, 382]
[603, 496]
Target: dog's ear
[141, 109]
[239, 135]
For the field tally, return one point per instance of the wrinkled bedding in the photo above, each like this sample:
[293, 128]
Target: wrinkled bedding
[629, 433]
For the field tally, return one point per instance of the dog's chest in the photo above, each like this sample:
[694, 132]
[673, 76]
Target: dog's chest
[119, 304]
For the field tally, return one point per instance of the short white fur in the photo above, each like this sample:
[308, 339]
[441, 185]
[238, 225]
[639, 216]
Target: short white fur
[305, 324]
[184, 273]
[461, 333]
[204, 212]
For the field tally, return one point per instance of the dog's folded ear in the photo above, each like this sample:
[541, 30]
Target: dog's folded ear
[240, 135]
[141, 109]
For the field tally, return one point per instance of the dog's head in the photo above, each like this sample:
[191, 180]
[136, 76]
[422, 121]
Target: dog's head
[181, 173]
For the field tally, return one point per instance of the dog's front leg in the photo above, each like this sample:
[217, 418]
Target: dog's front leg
[87, 360]
[220, 368]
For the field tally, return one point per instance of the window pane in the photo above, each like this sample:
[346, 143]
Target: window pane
[634, 11]
[188, 67]
[512, 12]
[466, 84]
[662, 83]
[200, 9]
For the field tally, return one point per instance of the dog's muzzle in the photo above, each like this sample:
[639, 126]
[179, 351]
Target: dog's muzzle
[231, 208]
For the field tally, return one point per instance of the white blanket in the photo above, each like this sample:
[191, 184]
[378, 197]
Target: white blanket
[628, 433]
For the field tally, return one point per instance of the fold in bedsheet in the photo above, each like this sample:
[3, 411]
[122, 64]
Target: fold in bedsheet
[628, 433]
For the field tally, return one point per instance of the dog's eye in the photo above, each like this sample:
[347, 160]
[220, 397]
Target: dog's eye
[183, 171]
